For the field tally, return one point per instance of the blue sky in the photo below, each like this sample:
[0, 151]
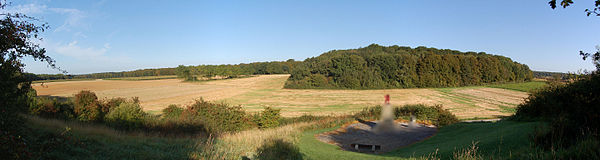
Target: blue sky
[114, 35]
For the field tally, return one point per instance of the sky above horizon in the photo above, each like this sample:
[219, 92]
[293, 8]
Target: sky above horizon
[111, 35]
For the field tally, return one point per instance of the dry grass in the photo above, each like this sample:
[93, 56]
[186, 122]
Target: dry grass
[245, 143]
[255, 93]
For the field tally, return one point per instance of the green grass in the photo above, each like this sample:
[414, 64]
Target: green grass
[90, 141]
[143, 78]
[495, 139]
[523, 87]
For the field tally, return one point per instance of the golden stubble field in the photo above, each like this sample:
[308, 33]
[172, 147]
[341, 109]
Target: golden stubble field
[257, 92]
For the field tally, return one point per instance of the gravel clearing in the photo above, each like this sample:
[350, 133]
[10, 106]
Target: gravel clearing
[371, 141]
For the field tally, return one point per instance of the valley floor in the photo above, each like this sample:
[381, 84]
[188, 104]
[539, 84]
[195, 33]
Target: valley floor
[255, 93]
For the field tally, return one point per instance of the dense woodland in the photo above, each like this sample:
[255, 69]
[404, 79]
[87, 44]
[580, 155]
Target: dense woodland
[377, 66]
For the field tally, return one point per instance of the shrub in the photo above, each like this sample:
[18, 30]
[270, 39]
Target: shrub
[87, 107]
[112, 103]
[217, 118]
[127, 116]
[434, 114]
[53, 108]
[278, 149]
[268, 118]
[304, 118]
[172, 111]
[571, 109]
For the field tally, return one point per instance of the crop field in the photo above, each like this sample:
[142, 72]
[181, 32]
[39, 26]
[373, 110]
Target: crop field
[255, 93]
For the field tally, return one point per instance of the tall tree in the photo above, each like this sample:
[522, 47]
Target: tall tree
[18, 33]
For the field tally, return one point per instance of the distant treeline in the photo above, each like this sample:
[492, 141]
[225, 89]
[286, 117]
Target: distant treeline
[275, 67]
[136, 73]
[371, 67]
[377, 66]
[552, 75]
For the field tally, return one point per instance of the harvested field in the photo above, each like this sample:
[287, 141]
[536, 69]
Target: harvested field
[254, 93]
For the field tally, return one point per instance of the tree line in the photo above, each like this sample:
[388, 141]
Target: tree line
[228, 70]
[371, 67]
[135, 73]
[378, 67]
[235, 70]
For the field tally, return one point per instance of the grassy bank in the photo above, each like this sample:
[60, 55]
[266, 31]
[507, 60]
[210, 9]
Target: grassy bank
[58, 139]
[494, 140]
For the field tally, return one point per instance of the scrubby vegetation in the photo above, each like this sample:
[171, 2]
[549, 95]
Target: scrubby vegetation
[377, 66]
[128, 115]
[572, 111]
[269, 118]
[435, 115]
[201, 117]
[217, 118]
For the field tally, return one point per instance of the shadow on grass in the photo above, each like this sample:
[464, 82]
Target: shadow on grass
[276, 149]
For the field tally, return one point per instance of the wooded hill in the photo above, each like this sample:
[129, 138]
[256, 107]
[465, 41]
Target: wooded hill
[378, 67]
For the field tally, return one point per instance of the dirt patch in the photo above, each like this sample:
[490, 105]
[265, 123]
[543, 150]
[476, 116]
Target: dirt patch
[362, 137]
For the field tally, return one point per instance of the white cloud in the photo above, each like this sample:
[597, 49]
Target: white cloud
[74, 50]
[27, 9]
[73, 17]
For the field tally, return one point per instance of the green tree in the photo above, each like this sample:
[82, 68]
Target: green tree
[18, 33]
[185, 73]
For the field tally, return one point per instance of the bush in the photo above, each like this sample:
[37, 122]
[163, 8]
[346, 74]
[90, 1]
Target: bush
[112, 103]
[217, 118]
[53, 107]
[172, 112]
[278, 149]
[434, 114]
[269, 118]
[303, 118]
[87, 107]
[571, 109]
[126, 116]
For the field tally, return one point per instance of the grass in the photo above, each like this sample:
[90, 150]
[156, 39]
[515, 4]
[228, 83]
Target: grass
[95, 141]
[523, 87]
[100, 142]
[245, 143]
[494, 139]
[143, 78]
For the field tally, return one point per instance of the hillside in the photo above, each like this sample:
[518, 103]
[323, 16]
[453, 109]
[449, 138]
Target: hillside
[380, 67]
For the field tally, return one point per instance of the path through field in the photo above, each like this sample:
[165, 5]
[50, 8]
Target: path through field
[254, 93]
